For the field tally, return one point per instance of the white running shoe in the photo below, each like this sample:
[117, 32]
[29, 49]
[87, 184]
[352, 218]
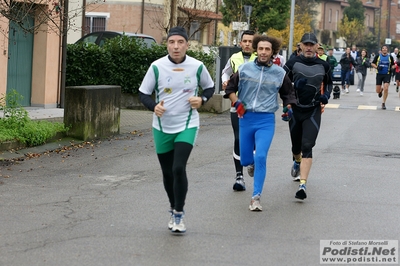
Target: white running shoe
[255, 204]
[250, 170]
[171, 220]
[361, 93]
[358, 90]
[347, 90]
[179, 226]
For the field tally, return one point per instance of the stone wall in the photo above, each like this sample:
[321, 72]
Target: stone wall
[92, 111]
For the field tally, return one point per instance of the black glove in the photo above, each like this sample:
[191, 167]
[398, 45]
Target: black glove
[323, 99]
[380, 68]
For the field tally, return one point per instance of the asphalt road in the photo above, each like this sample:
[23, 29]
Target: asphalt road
[103, 203]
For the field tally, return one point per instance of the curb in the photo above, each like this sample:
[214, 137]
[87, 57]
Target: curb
[14, 145]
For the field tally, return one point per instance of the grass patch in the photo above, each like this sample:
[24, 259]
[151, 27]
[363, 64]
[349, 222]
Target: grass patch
[15, 125]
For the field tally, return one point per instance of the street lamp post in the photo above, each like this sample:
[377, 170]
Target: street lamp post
[388, 21]
[379, 28]
[389, 4]
[291, 28]
[247, 11]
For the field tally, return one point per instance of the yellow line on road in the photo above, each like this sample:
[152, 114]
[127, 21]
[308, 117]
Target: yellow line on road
[332, 105]
[367, 107]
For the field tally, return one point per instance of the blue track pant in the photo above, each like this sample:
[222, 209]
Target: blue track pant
[256, 130]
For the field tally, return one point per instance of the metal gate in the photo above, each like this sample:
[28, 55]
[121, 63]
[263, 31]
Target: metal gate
[20, 54]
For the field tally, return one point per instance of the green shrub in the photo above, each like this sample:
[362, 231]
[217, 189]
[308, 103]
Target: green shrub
[16, 124]
[120, 61]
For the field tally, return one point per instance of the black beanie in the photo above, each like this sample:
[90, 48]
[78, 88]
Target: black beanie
[178, 31]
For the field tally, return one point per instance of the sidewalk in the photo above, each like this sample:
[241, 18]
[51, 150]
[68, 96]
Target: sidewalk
[131, 121]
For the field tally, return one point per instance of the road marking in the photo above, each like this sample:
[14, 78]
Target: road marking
[358, 107]
[332, 105]
[367, 107]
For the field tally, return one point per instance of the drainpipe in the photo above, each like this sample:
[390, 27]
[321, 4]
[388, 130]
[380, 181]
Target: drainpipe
[216, 23]
[83, 31]
[59, 68]
[64, 51]
[142, 18]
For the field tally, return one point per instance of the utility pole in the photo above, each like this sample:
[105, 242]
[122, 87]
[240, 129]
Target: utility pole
[379, 28]
[389, 4]
[65, 21]
[291, 29]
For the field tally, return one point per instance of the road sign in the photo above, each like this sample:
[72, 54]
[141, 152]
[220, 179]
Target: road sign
[388, 41]
[239, 25]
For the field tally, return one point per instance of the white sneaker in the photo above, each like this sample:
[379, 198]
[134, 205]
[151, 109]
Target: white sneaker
[347, 90]
[361, 93]
[171, 220]
[178, 226]
[255, 204]
[250, 170]
[358, 90]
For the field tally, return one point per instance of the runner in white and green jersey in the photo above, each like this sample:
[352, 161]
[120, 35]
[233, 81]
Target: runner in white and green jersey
[175, 79]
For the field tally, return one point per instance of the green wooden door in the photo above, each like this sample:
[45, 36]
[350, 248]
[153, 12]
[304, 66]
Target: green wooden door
[20, 53]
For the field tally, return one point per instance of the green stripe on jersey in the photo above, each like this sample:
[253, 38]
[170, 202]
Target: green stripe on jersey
[157, 74]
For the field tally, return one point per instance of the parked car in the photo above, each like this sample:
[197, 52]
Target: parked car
[100, 37]
[337, 71]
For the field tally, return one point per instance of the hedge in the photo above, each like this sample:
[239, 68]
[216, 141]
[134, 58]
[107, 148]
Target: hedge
[120, 61]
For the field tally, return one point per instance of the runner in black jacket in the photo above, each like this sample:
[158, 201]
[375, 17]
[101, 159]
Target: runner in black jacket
[310, 75]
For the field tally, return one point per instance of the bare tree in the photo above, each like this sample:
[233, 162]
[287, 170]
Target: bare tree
[45, 12]
[193, 15]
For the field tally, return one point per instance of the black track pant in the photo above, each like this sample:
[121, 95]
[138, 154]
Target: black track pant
[236, 150]
[173, 166]
[304, 127]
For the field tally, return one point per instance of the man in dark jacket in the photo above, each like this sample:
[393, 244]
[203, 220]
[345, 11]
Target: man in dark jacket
[313, 86]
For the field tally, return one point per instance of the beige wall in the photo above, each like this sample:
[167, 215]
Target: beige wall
[45, 70]
[126, 16]
[76, 15]
[330, 15]
[3, 56]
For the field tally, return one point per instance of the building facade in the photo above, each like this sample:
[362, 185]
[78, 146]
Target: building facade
[31, 63]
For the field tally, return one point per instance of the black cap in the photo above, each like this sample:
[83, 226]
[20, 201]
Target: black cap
[178, 31]
[309, 38]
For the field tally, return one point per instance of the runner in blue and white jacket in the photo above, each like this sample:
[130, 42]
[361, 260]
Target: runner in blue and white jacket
[257, 84]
